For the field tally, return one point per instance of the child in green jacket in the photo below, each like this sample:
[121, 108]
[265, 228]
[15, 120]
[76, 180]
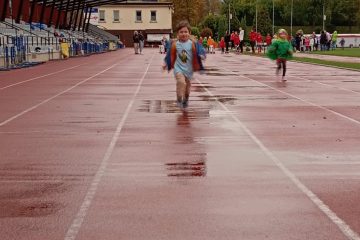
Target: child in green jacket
[281, 50]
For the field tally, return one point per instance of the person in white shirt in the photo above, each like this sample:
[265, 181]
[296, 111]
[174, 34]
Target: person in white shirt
[241, 36]
[312, 43]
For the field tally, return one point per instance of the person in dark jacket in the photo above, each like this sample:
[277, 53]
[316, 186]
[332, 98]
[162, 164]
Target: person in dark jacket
[136, 40]
[141, 41]
[323, 40]
[227, 41]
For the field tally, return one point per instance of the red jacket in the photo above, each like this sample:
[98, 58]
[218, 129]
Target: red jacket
[259, 38]
[268, 40]
[236, 39]
[253, 36]
[222, 44]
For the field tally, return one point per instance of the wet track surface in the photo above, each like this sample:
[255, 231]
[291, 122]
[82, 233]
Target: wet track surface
[95, 148]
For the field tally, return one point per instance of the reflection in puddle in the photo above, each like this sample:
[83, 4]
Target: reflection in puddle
[167, 106]
[159, 106]
[186, 169]
[192, 154]
[220, 74]
[220, 98]
[213, 71]
[201, 88]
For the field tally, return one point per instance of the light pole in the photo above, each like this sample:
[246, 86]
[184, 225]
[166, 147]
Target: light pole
[256, 16]
[229, 19]
[292, 10]
[324, 17]
[273, 32]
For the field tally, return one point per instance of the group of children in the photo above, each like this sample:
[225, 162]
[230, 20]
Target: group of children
[185, 55]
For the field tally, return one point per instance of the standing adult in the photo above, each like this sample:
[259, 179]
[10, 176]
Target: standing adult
[241, 36]
[136, 40]
[334, 40]
[323, 41]
[298, 41]
[141, 41]
[316, 41]
[227, 41]
[328, 40]
[253, 37]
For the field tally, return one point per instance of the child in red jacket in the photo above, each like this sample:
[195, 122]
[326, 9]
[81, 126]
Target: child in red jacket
[222, 45]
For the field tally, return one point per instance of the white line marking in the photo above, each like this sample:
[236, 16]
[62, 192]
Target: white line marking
[347, 231]
[31, 79]
[57, 95]
[300, 99]
[328, 85]
[80, 216]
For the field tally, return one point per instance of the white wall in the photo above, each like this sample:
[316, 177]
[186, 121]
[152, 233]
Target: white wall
[128, 17]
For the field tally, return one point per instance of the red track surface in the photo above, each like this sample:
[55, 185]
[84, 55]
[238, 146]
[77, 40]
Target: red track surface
[100, 151]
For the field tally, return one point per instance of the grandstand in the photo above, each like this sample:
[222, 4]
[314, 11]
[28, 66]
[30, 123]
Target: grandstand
[36, 31]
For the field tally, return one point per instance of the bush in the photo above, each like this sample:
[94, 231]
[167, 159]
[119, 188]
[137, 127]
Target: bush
[195, 31]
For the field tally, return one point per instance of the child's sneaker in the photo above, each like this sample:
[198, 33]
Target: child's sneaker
[185, 104]
[179, 104]
[283, 79]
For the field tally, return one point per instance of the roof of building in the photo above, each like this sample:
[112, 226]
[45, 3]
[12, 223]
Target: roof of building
[69, 4]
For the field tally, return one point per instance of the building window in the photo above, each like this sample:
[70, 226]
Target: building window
[102, 15]
[153, 16]
[116, 16]
[138, 16]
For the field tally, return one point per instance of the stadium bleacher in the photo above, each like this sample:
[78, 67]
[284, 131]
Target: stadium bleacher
[24, 44]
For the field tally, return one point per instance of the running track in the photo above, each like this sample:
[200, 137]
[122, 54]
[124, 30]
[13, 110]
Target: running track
[95, 148]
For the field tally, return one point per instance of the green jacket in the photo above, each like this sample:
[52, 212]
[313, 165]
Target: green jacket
[280, 49]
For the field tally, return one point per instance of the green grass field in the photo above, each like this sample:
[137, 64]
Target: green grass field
[355, 66]
[347, 52]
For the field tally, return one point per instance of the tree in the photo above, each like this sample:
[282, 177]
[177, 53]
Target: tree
[211, 21]
[195, 31]
[222, 27]
[264, 22]
[191, 10]
[206, 32]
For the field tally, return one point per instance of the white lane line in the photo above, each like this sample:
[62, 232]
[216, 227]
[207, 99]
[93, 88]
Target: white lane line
[80, 216]
[328, 85]
[46, 75]
[300, 99]
[347, 231]
[53, 97]
[317, 82]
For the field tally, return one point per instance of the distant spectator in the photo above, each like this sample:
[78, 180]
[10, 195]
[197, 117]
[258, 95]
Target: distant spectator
[323, 41]
[253, 37]
[307, 44]
[232, 37]
[342, 43]
[241, 36]
[136, 42]
[334, 38]
[312, 43]
[236, 41]
[222, 45]
[268, 40]
[328, 40]
[141, 41]
[227, 41]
